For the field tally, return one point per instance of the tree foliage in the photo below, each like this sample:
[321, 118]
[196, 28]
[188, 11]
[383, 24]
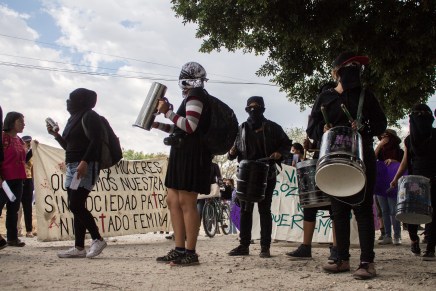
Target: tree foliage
[302, 37]
[228, 168]
[133, 155]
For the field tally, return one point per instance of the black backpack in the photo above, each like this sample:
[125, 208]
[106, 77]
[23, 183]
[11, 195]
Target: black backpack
[111, 152]
[223, 127]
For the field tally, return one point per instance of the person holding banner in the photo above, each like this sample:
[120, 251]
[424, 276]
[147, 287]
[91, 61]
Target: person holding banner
[3, 242]
[189, 164]
[81, 158]
[12, 174]
[370, 121]
[259, 138]
[389, 154]
[420, 152]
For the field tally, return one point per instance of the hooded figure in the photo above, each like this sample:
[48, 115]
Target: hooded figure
[421, 126]
[255, 113]
[81, 100]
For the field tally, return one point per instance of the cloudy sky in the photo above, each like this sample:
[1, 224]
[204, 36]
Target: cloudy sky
[135, 38]
[117, 48]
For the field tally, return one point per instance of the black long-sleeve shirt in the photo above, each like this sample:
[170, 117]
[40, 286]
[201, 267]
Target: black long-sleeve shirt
[373, 117]
[80, 147]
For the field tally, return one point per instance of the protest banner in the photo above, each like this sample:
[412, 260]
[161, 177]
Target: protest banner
[287, 214]
[128, 198]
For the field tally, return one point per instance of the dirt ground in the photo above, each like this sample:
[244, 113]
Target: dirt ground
[128, 263]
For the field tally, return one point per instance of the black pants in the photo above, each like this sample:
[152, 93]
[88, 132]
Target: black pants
[430, 228]
[264, 207]
[26, 201]
[363, 213]
[12, 208]
[83, 219]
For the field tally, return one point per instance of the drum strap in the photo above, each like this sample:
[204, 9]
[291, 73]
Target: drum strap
[360, 108]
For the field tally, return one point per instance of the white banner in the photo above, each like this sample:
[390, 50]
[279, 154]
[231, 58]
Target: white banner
[128, 198]
[287, 215]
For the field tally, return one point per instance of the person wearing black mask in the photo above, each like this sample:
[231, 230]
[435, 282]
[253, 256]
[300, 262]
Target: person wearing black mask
[259, 138]
[346, 71]
[82, 152]
[420, 152]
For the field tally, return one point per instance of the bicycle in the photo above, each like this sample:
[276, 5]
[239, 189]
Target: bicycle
[216, 211]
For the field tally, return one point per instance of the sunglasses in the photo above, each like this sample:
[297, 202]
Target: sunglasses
[251, 108]
[419, 113]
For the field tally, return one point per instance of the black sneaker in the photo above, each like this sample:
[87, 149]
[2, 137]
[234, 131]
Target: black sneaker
[186, 260]
[302, 252]
[16, 243]
[171, 256]
[428, 256]
[240, 251]
[3, 244]
[333, 254]
[415, 248]
[264, 252]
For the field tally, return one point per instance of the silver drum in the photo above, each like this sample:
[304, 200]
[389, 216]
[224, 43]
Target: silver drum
[309, 194]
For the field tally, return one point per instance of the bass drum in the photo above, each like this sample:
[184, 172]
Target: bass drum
[414, 200]
[309, 194]
[340, 170]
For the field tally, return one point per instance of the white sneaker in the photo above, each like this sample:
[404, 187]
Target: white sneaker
[386, 241]
[96, 248]
[397, 241]
[72, 253]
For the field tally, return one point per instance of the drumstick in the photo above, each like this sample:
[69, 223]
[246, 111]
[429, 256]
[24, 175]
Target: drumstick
[347, 113]
[324, 114]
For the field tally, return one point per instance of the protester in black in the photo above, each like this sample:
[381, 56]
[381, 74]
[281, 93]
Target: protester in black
[346, 70]
[420, 152]
[82, 152]
[259, 138]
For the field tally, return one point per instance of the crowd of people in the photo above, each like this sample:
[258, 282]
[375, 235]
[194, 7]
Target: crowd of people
[192, 172]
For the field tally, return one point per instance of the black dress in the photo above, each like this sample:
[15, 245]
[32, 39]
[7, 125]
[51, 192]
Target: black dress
[190, 163]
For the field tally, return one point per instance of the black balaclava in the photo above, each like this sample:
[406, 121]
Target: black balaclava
[81, 100]
[255, 117]
[349, 77]
[421, 125]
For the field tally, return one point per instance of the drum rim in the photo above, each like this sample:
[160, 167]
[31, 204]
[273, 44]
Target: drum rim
[413, 176]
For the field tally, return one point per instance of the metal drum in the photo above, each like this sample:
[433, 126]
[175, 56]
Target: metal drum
[149, 108]
[340, 170]
[251, 181]
[309, 194]
[414, 200]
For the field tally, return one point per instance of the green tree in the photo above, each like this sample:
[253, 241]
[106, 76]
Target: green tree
[228, 168]
[296, 134]
[302, 37]
[133, 155]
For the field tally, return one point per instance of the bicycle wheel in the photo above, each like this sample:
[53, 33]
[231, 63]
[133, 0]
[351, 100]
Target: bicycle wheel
[210, 221]
[225, 218]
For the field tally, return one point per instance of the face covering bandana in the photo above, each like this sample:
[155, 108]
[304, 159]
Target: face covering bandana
[73, 107]
[186, 84]
[349, 77]
[255, 118]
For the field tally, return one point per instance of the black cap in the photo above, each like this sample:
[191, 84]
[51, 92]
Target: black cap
[257, 99]
[347, 57]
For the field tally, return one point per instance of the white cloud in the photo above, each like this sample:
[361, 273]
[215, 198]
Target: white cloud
[153, 34]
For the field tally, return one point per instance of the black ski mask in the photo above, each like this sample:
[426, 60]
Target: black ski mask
[255, 114]
[421, 123]
[80, 101]
[349, 77]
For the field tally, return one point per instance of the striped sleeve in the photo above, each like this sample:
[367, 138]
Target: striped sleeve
[165, 127]
[194, 108]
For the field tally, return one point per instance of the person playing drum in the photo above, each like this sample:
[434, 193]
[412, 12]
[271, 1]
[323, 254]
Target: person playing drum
[347, 68]
[259, 138]
[420, 152]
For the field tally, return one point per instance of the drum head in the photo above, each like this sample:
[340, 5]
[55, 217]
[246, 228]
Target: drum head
[413, 218]
[340, 180]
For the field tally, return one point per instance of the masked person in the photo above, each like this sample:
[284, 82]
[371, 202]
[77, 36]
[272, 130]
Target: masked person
[258, 138]
[420, 152]
[346, 71]
[82, 152]
[189, 164]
